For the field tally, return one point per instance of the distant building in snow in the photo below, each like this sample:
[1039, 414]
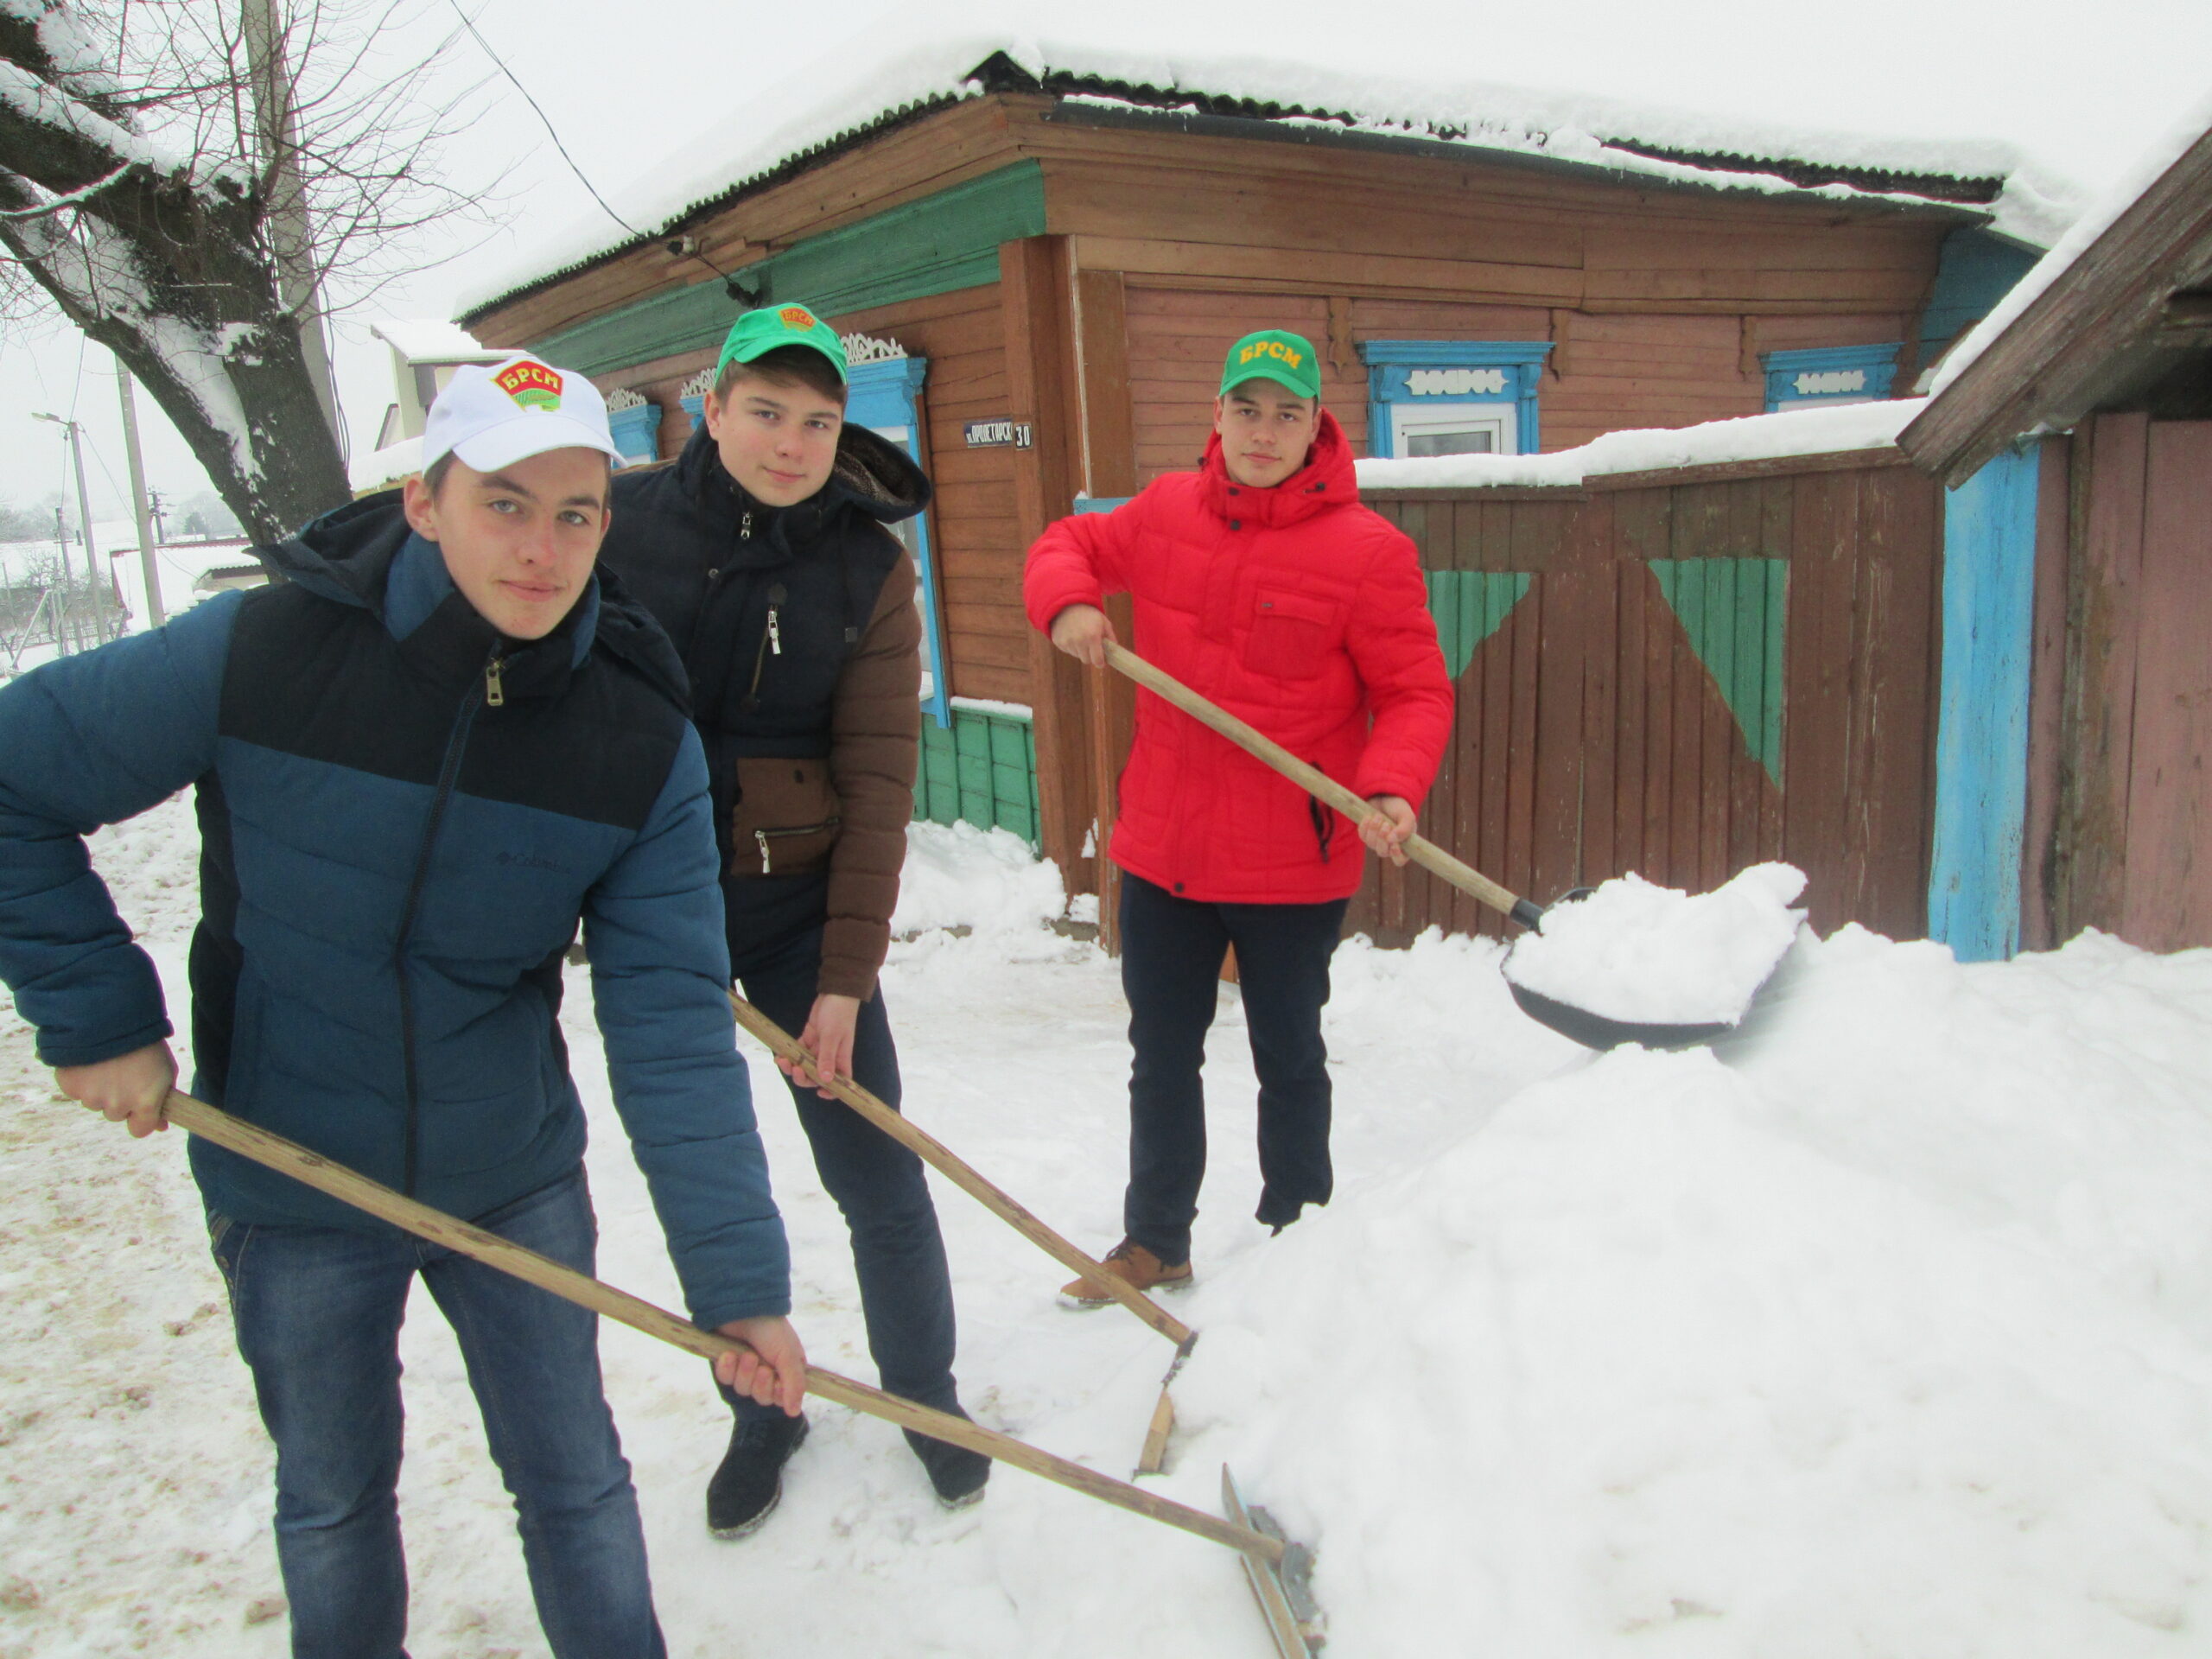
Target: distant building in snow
[425, 354]
[1046, 260]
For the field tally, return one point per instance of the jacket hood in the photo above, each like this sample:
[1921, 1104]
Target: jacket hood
[1327, 479]
[347, 555]
[872, 476]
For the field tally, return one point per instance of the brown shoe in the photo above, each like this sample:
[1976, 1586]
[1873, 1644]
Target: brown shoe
[1131, 1262]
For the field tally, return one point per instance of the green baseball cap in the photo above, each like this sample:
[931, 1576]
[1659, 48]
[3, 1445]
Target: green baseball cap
[770, 327]
[1274, 354]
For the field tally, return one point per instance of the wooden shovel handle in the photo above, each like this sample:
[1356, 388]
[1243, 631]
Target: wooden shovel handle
[1315, 782]
[941, 1158]
[289, 1156]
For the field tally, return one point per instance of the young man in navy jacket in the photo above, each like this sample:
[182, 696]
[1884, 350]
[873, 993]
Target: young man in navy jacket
[420, 762]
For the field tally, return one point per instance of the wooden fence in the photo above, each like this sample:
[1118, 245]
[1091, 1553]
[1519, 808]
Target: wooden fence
[1683, 674]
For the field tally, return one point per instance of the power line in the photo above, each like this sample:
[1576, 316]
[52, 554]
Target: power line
[499, 64]
[730, 284]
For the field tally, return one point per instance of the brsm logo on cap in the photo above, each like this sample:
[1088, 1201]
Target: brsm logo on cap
[1274, 348]
[531, 384]
[797, 316]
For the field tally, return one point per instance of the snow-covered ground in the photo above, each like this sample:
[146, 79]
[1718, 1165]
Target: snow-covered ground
[1885, 1329]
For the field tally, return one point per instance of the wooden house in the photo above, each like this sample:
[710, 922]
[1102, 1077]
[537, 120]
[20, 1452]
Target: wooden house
[1045, 264]
[2085, 684]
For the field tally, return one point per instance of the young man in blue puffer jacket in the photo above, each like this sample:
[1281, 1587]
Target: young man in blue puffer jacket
[421, 761]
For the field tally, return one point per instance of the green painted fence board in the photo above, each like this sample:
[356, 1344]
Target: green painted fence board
[1469, 606]
[983, 771]
[1736, 613]
[947, 241]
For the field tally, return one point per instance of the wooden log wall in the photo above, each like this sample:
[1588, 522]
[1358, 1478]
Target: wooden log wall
[2130, 847]
[1607, 371]
[1681, 677]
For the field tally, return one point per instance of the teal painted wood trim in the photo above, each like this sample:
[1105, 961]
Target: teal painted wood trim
[1975, 269]
[1469, 606]
[947, 241]
[1736, 613]
[980, 770]
[1981, 740]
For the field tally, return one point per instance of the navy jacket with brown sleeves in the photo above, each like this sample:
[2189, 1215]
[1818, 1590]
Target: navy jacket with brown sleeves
[798, 629]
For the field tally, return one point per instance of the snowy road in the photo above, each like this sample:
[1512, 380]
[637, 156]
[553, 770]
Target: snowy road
[1886, 1330]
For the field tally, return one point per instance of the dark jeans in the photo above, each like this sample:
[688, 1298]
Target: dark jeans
[879, 1185]
[1172, 951]
[317, 1311]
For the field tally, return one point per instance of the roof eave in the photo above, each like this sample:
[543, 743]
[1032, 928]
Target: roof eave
[1070, 108]
[2100, 329]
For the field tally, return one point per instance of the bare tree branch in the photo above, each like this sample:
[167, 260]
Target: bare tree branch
[137, 196]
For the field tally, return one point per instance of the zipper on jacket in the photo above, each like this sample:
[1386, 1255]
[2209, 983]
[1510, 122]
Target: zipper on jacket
[770, 636]
[744, 527]
[495, 694]
[449, 773]
[762, 837]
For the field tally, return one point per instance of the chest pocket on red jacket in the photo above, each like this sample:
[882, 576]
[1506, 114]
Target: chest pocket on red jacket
[1290, 635]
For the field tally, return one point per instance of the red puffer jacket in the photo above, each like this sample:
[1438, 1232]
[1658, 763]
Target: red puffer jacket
[1295, 608]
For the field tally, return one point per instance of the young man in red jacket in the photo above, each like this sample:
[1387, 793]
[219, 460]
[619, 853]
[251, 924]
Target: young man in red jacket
[1261, 582]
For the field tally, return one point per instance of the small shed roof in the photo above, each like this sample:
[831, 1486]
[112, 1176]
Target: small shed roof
[903, 76]
[2121, 304]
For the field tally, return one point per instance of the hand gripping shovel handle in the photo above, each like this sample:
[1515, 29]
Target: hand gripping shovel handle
[941, 1158]
[1318, 784]
[453, 1234]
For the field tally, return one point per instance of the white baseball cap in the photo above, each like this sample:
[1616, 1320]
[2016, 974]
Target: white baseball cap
[492, 414]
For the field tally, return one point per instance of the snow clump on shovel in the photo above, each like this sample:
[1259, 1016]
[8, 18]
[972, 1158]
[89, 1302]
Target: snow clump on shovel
[1633, 950]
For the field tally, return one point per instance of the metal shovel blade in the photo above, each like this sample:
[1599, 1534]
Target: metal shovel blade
[1596, 1030]
[1285, 1592]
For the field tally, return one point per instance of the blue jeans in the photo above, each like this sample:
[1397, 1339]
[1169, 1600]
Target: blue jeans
[317, 1313]
[880, 1187]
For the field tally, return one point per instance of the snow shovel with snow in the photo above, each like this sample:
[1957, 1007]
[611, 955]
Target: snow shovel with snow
[1278, 1570]
[1578, 1025]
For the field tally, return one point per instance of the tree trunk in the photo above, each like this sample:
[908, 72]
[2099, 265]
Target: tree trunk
[172, 272]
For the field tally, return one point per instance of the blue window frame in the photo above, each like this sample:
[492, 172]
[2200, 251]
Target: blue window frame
[1452, 397]
[1830, 374]
[884, 397]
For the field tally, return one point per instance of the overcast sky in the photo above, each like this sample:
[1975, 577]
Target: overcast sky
[2085, 88]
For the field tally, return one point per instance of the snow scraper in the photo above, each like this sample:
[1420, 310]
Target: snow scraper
[1277, 1569]
[1580, 1025]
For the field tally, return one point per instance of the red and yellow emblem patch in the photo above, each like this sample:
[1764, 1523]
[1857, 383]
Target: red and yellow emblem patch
[531, 384]
[797, 316]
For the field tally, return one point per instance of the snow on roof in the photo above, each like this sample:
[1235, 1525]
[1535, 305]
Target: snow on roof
[1815, 431]
[432, 340]
[381, 468]
[2093, 222]
[895, 74]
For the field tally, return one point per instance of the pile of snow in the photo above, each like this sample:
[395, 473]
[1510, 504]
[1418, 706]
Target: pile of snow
[1635, 950]
[1814, 432]
[1884, 1328]
[988, 881]
[1888, 1331]
[897, 70]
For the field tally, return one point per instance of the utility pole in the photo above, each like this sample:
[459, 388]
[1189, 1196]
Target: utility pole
[160, 509]
[276, 121]
[149, 563]
[83, 522]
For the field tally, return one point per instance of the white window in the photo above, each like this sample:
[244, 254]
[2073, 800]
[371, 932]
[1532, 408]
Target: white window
[1454, 429]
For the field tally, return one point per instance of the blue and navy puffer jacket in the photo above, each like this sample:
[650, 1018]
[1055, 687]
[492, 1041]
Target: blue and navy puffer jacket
[402, 816]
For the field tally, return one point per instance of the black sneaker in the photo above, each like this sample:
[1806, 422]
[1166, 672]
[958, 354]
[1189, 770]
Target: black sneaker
[957, 1475]
[744, 1490]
